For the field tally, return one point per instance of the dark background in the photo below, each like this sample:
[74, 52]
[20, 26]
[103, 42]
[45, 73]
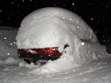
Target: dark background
[95, 12]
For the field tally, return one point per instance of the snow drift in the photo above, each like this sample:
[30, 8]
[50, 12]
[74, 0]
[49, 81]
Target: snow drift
[50, 27]
[56, 27]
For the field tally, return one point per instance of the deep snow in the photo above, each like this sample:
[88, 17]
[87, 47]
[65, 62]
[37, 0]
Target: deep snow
[52, 27]
[10, 71]
[57, 27]
[93, 62]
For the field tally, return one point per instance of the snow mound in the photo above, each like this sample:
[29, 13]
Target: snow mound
[57, 27]
[66, 69]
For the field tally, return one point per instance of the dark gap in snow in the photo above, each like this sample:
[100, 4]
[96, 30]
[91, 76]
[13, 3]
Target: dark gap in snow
[66, 45]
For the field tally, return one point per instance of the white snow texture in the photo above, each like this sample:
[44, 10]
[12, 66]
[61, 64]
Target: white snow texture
[84, 61]
[56, 27]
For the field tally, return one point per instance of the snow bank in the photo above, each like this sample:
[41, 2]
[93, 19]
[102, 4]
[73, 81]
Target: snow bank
[83, 48]
[56, 27]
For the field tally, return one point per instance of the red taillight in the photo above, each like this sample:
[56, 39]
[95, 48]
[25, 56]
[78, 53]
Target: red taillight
[39, 53]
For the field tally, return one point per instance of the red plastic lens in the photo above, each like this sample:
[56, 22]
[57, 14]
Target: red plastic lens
[39, 52]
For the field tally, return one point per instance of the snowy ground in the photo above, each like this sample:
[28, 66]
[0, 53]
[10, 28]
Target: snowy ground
[10, 72]
[95, 73]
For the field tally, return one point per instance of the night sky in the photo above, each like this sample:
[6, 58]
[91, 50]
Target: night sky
[95, 12]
